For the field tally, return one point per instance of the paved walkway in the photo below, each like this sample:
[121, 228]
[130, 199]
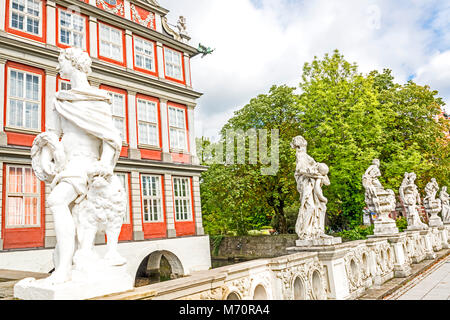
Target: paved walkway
[434, 284]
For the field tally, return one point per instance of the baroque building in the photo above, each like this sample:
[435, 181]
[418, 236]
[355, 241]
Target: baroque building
[144, 64]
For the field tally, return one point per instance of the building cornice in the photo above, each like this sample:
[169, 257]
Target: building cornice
[27, 48]
[125, 23]
[10, 154]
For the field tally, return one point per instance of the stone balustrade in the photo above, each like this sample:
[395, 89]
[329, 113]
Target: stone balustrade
[341, 271]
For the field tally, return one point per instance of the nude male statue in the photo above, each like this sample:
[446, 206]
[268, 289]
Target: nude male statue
[82, 119]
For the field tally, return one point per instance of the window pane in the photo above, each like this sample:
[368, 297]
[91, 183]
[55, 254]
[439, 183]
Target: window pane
[24, 90]
[22, 197]
[152, 198]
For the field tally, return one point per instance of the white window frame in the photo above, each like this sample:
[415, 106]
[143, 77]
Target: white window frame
[24, 100]
[169, 63]
[149, 216]
[175, 130]
[143, 54]
[180, 201]
[109, 42]
[123, 116]
[126, 219]
[71, 29]
[26, 15]
[147, 122]
[23, 195]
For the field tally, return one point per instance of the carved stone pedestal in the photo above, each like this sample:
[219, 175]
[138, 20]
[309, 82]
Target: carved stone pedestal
[84, 285]
[328, 241]
[385, 227]
[416, 227]
[435, 221]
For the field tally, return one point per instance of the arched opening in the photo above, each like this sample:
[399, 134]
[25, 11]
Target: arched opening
[365, 264]
[383, 259]
[354, 270]
[260, 293]
[157, 267]
[390, 258]
[405, 249]
[299, 289]
[318, 289]
[233, 296]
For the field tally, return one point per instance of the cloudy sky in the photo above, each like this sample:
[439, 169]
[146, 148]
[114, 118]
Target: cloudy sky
[264, 42]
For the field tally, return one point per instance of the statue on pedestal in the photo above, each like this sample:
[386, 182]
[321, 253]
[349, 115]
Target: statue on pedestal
[445, 202]
[379, 200]
[432, 205]
[409, 194]
[76, 157]
[310, 177]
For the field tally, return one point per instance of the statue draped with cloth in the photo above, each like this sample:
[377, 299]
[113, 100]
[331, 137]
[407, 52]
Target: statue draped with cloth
[76, 156]
[310, 177]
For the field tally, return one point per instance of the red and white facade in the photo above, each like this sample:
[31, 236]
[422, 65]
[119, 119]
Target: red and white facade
[145, 66]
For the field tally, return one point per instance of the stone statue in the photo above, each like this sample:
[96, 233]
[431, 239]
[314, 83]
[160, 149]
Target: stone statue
[310, 177]
[409, 194]
[432, 205]
[445, 202]
[379, 200]
[76, 157]
[181, 26]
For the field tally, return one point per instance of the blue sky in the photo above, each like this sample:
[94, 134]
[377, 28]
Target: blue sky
[264, 42]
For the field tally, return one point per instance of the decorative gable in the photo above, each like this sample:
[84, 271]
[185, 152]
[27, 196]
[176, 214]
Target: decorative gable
[143, 17]
[113, 6]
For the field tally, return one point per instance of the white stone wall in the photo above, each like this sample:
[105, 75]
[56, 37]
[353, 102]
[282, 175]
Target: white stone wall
[193, 253]
[51, 27]
[168, 198]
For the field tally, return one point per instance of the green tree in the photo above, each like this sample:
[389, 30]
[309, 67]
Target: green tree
[348, 119]
[260, 197]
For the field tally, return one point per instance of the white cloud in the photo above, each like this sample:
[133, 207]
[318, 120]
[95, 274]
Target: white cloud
[268, 43]
[437, 74]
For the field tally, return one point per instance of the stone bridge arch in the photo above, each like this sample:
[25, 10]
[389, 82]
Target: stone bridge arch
[151, 266]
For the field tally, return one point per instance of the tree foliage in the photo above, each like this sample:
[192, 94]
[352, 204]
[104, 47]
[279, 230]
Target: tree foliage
[239, 194]
[348, 119]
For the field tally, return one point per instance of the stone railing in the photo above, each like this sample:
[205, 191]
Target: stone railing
[341, 271]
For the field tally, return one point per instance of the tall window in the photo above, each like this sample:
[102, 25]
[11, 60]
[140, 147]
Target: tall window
[173, 64]
[144, 54]
[124, 180]
[72, 29]
[182, 199]
[118, 112]
[22, 197]
[24, 100]
[111, 42]
[151, 198]
[148, 122]
[26, 16]
[177, 129]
